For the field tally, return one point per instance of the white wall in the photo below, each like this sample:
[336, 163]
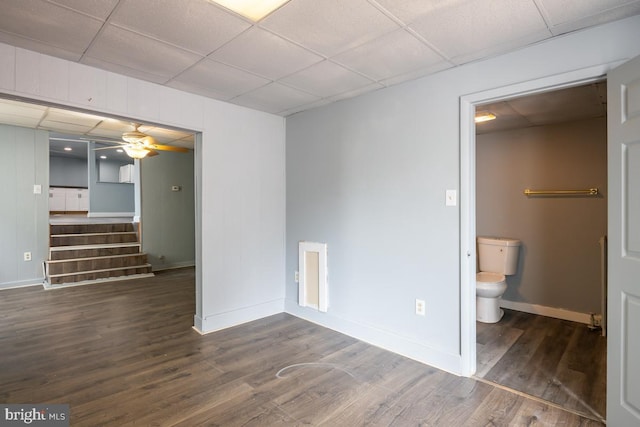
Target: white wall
[368, 176]
[240, 229]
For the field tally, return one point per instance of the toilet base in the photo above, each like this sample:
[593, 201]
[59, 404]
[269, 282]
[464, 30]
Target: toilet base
[488, 310]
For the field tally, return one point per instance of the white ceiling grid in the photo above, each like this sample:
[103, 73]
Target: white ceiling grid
[307, 53]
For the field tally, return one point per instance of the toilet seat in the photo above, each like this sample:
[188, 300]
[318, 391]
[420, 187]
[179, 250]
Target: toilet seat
[489, 278]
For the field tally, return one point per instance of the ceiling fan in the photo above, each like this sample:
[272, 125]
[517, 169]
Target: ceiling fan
[139, 145]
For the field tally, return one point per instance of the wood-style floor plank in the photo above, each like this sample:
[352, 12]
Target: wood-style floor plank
[556, 360]
[124, 353]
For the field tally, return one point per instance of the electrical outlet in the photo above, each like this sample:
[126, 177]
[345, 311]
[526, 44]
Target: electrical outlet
[27, 256]
[296, 277]
[420, 307]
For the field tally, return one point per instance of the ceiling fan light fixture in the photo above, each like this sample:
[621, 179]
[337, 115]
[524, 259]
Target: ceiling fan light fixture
[484, 117]
[136, 152]
[255, 10]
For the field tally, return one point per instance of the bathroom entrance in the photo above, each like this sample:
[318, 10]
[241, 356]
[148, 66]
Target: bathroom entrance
[541, 178]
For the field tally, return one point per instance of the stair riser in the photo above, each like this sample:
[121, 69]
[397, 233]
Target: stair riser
[99, 275]
[90, 228]
[88, 253]
[93, 240]
[97, 264]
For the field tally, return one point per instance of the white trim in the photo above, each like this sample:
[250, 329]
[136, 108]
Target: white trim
[20, 284]
[468, 181]
[110, 214]
[391, 341]
[237, 317]
[174, 265]
[556, 313]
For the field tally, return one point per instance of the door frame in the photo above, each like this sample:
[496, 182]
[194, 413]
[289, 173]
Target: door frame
[468, 105]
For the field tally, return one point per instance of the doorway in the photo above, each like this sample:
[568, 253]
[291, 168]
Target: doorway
[468, 254]
[546, 345]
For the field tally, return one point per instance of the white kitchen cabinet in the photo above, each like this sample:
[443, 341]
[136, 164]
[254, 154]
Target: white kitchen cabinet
[57, 198]
[68, 199]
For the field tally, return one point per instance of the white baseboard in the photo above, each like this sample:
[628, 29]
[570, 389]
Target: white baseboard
[557, 313]
[173, 265]
[110, 214]
[242, 315]
[393, 342]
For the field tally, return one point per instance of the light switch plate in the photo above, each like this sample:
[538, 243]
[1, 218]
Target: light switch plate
[451, 198]
[37, 189]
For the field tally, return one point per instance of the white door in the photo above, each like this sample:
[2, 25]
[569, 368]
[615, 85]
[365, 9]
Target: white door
[623, 346]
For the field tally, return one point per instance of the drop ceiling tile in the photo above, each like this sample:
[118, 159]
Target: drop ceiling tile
[482, 28]
[63, 127]
[48, 24]
[561, 11]
[564, 105]
[31, 111]
[23, 121]
[416, 74]
[561, 27]
[127, 49]
[329, 26]
[326, 79]
[223, 80]
[356, 92]
[408, 11]
[390, 55]
[195, 25]
[36, 46]
[72, 117]
[97, 8]
[274, 98]
[265, 54]
[118, 69]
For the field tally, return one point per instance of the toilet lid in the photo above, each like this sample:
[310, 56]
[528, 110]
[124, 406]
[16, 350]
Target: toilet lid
[486, 277]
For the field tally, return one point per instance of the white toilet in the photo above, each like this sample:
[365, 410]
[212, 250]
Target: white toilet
[497, 257]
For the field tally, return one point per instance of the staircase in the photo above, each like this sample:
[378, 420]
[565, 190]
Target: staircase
[86, 253]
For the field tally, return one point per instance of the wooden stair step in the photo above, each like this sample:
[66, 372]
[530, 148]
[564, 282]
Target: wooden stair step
[93, 246]
[93, 258]
[57, 279]
[93, 238]
[90, 228]
[48, 285]
[79, 265]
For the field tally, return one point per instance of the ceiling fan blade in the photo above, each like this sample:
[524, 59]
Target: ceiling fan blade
[152, 153]
[108, 148]
[169, 148]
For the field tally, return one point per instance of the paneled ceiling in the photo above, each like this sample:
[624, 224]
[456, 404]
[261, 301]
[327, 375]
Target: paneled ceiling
[559, 106]
[305, 54]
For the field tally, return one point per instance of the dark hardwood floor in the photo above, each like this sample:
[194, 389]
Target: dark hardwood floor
[124, 353]
[556, 360]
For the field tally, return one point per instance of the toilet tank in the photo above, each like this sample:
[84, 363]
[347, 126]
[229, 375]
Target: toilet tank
[498, 254]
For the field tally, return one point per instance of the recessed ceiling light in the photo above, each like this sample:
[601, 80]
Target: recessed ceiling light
[484, 117]
[68, 149]
[252, 9]
[120, 150]
[103, 157]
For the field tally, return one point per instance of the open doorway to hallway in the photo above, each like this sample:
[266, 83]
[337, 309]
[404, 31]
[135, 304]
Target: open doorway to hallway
[160, 194]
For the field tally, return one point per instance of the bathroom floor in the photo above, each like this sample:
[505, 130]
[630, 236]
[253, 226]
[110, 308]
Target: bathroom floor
[555, 360]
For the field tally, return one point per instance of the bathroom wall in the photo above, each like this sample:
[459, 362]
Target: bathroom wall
[559, 263]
